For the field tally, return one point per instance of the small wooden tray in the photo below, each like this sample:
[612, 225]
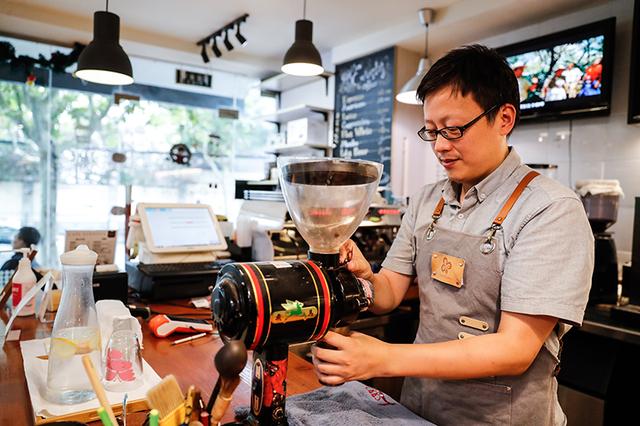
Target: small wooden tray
[90, 415]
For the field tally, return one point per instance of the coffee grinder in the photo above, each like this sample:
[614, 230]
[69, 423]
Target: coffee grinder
[269, 305]
[602, 211]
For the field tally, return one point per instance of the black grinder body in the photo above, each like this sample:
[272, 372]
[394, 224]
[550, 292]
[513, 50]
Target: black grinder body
[269, 305]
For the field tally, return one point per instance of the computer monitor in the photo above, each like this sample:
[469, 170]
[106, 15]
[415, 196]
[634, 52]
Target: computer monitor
[180, 228]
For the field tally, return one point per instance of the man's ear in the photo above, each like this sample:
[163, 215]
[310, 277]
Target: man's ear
[506, 119]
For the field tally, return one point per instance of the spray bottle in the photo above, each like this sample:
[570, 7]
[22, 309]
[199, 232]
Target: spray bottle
[23, 280]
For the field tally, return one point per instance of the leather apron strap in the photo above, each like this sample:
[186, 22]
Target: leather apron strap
[437, 212]
[506, 208]
[502, 215]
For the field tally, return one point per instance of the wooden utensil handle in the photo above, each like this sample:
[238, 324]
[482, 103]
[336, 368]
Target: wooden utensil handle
[219, 408]
[224, 399]
[98, 388]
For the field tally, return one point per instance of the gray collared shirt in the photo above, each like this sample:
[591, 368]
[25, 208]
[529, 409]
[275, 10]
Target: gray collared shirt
[546, 245]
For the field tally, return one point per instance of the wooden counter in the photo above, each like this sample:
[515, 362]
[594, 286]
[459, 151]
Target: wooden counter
[191, 363]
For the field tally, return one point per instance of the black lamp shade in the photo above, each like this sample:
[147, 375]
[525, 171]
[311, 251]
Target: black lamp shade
[103, 60]
[303, 58]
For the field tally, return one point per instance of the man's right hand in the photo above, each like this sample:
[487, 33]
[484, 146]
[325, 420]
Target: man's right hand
[356, 263]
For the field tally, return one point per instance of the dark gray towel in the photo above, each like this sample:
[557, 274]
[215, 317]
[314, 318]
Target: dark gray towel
[352, 404]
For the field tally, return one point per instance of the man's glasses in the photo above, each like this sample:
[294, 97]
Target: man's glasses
[451, 133]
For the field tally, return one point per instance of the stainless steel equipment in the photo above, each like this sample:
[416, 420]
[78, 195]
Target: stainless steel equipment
[373, 236]
[271, 234]
[602, 211]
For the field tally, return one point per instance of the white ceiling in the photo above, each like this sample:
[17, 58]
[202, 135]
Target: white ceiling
[342, 28]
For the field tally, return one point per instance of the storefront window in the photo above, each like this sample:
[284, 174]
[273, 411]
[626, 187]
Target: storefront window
[68, 156]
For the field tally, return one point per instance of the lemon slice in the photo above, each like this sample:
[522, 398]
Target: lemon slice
[94, 342]
[61, 347]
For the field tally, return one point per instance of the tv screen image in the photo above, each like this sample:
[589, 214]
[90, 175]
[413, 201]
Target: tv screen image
[565, 74]
[561, 72]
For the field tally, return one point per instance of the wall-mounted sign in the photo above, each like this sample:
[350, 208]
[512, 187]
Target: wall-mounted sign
[119, 97]
[193, 78]
[228, 113]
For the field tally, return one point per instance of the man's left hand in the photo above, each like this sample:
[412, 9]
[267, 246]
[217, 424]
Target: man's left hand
[355, 357]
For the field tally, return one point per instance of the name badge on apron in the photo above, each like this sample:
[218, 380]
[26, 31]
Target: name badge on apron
[447, 269]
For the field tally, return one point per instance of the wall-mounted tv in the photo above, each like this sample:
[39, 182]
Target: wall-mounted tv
[634, 83]
[566, 74]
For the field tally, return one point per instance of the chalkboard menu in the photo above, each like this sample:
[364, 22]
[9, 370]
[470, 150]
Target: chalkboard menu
[363, 108]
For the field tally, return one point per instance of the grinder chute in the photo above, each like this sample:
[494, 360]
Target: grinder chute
[269, 305]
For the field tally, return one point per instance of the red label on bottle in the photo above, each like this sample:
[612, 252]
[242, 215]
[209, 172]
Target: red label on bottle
[16, 293]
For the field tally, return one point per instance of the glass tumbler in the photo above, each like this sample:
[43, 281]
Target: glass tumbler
[123, 362]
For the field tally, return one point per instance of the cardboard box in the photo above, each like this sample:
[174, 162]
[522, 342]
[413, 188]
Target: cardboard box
[307, 131]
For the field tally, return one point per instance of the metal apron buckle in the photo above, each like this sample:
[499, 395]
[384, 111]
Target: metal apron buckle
[430, 232]
[489, 244]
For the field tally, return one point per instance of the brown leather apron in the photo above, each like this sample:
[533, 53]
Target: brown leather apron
[448, 312]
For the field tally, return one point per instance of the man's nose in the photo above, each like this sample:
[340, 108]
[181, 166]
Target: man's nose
[441, 144]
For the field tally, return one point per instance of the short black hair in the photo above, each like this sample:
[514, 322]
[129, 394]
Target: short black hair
[476, 70]
[29, 235]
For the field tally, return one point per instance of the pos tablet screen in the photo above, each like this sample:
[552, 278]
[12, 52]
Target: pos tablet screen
[176, 228]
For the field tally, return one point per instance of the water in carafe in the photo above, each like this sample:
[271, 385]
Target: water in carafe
[75, 331]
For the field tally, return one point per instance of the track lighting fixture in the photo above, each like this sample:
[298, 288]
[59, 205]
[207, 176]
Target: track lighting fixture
[214, 47]
[223, 33]
[240, 37]
[227, 43]
[203, 53]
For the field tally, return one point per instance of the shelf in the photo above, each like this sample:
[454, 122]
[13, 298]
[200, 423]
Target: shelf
[285, 149]
[292, 113]
[283, 82]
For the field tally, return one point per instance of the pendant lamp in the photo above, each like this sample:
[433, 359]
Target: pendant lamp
[104, 61]
[407, 94]
[303, 58]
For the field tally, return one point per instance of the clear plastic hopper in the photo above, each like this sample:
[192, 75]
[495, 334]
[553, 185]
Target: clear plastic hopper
[327, 198]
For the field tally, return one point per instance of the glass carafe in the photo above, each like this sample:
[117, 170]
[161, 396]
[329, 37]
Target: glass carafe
[75, 331]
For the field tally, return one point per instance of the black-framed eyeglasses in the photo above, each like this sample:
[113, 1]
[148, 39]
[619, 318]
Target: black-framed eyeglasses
[451, 133]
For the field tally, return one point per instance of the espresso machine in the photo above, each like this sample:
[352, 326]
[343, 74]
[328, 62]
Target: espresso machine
[602, 211]
[265, 230]
[270, 305]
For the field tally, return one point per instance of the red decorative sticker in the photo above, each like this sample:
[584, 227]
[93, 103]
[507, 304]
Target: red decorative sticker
[379, 396]
[275, 375]
[118, 368]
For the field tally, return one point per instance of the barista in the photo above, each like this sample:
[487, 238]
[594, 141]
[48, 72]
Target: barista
[503, 259]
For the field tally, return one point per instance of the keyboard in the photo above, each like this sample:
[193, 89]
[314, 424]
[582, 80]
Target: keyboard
[181, 268]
